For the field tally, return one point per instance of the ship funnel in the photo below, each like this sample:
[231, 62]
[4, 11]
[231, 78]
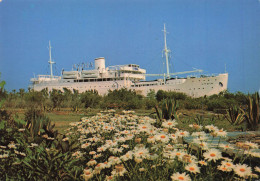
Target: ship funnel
[100, 63]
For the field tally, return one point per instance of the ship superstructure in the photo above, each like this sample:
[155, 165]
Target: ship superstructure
[130, 76]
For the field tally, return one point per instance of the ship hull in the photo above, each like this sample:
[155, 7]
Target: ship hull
[194, 87]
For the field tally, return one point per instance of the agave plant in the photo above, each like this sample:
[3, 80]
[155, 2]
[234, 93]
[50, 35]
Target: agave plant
[252, 116]
[235, 115]
[167, 111]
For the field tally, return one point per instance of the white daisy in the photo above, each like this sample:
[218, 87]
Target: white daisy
[212, 154]
[180, 177]
[242, 170]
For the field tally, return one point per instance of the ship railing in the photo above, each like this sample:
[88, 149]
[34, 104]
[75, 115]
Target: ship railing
[49, 76]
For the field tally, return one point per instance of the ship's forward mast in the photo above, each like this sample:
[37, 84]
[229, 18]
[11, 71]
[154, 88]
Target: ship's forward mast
[50, 61]
[166, 51]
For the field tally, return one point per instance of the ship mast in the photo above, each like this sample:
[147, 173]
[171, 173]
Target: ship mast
[166, 51]
[50, 61]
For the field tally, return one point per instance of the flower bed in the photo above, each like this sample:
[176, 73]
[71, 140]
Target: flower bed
[128, 147]
[110, 146]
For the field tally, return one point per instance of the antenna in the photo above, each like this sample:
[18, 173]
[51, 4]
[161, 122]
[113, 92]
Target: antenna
[50, 61]
[166, 51]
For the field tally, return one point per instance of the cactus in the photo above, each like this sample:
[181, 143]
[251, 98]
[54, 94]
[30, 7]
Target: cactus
[235, 115]
[252, 115]
[168, 110]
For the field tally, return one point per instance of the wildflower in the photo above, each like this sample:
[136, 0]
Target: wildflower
[257, 169]
[211, 128]
[125, 146]
[178, 153]
[169, 147]
[92, 152]
[87, 174]
[180, 176]
[101, 149]
[254, 175]
[242, 170]
[108, 178]
[151, 139]
[116, 150]
[141, 152]
[199, 134]
[77, 154]
[169, 123]
[92, 162]
[212, 154]
[193, 168]
[202, 162]
[229, 165]
[221, 133]
[226, 146]
[127, 156]
[162, 138]
[144, 128]
[223, 168]
[119, 170]
[186, 158]
[227, 159]
[202, 144]
[195, 126]
[152, 156]
[97, 156]
[138, 140]
[251, 145]
[11, 145]
[138, 160]
[181, 133]
[99, 167]
[114, 160]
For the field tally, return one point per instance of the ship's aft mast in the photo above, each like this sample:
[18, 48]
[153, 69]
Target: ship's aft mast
[50, 61]
[166, 51]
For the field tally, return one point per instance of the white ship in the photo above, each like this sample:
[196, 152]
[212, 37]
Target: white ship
[130, 76]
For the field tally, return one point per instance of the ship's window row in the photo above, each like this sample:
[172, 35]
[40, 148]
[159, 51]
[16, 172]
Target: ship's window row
[140, 85]
[98, 80]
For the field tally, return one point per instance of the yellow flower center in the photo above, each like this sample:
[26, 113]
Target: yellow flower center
[181, 178]
[242, 169]
[212, 154]
[192, 168]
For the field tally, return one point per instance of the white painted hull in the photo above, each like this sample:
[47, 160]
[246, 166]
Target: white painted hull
[194, 87]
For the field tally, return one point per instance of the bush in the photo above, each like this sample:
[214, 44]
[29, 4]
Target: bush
[160, 95]
[90, 99]
[123, 98]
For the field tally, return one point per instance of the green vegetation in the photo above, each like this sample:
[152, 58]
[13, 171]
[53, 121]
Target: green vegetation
[118, 99]
[37, 143]
[235, 107]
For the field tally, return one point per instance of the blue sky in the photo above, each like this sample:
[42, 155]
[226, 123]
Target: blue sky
[204, 34]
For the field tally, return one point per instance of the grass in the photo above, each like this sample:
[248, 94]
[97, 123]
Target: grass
[62, 118]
